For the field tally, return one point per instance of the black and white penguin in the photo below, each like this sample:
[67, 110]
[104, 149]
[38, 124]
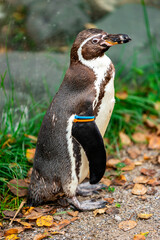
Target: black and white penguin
[70, 142]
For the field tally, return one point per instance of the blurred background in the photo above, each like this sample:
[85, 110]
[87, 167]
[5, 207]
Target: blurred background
[35, 41]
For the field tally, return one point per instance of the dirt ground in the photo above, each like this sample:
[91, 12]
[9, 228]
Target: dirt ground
[106, 226]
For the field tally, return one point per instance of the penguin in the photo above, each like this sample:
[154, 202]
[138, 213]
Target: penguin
[70, 141]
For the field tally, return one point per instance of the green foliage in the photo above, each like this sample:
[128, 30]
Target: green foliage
[111, 189]
[118, 205]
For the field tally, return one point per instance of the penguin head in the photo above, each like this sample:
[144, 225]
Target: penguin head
[93, 43]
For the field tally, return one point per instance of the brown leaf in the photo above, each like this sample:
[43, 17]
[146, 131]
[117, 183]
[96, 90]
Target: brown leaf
[148, 172]
[146, 157]
[18, 187]
[141, 179]
[73, 213]
[153, 182]
[134, 152]
[154, 142]
[127, 225]
[139, 137]
[30, 152]
[129, 165]
[112, 210]
[125, 140]
[106, 181]
[144, 215]
[139, 237]
[40, 236]
[99, 211]
[138, 163]
[122, 95]
[119, 181]
[112, 162]
[34, 215]
[29, 172]
[10, 214]
[26, 225]
[159, 159]
[109, 200]
[46, 221]
[13, 231]
[139, 189]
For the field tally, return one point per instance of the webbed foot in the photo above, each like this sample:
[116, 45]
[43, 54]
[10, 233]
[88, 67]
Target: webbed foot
[86, 189]
[87, 205]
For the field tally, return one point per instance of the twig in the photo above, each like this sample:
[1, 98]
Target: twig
[20, 207]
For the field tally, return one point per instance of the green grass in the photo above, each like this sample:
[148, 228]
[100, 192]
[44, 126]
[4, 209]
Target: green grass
[16, 121]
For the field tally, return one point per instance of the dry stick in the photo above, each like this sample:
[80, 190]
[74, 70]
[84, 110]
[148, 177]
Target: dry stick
[20, 207]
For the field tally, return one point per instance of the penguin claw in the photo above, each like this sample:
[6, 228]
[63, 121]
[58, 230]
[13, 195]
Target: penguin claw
[87, 205]
[86, 189]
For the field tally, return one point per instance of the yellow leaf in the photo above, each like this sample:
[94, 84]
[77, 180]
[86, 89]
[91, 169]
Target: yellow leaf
[33, 138]
[45, 221]
[145, 215]
[41, 236]
[154, 142]
[12, 231]
[12, 237]
[139, 237]
[99, 211]
[141, 179]
[30, 154]
[122, 95]
[29, 210]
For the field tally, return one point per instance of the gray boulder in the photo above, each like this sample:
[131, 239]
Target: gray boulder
[129, 19]
[35, 75]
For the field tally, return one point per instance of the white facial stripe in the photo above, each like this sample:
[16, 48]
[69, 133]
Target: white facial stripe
[99, 66]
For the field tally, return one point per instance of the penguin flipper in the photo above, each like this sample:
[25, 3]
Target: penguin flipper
[88, 135]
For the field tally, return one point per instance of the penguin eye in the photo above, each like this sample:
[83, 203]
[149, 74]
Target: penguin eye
[95, 40]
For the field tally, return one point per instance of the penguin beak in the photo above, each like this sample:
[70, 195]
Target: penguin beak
[114, 39]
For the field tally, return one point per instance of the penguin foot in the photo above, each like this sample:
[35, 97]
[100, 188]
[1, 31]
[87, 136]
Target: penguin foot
[87, 189]
[87, 205]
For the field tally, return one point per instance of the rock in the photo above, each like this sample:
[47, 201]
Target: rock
[36, 75]
[55, 20]
[129, 19]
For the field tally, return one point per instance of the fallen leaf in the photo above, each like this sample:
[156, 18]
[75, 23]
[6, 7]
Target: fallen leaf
[10, 214]
[34, 215]
[154, 142]
[11, 237]
[106, 181]
[146, 157]
[26, 225]
[18, 187]
[139, 189]
[10, 231]
[143, 198]
[8, 142]
[109, 200]
[40, 236]
[29, 172]
[112, 210]
[99, 211]
[46, 220]
[134, 152]
[127, 225]
[144, 215]
[55, 233]
[112, 162]
[62, 224]
[138, 163]
[33, 138]
[125, 140]
[139, 137]
[141, 179]
[30, 209]
[159, 159]
[73, 213]
[153, 182]
[30, 152]
[119, 181]
[1, 225]
[139, 237]
[122, 95]
[157, 106]
[129, 165]
[148, 172]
